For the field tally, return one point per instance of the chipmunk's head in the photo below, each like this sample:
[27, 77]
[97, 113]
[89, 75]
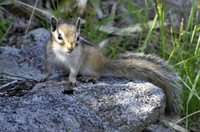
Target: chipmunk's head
[64, 36]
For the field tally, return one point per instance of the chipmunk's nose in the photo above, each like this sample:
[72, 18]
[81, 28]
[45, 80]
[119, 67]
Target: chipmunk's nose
[70, 50]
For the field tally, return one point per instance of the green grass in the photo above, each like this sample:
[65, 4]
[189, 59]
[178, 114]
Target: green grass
[186, 57]
[184, 51]
[5, 24]
[5, 27]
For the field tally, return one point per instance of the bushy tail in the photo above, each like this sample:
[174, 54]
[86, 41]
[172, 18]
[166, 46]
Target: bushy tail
[152, 69]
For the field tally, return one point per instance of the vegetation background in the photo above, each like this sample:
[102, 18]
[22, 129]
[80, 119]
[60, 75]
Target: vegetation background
[170, 29]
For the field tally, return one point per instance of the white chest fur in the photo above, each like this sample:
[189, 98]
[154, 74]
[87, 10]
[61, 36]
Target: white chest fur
[65, 59]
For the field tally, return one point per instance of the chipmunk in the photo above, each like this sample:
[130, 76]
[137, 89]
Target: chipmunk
[70, 51]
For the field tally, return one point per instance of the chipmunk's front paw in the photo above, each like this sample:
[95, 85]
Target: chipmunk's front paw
[72, 82]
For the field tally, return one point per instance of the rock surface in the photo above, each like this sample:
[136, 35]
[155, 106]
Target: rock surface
[25, 63]
[112, 104]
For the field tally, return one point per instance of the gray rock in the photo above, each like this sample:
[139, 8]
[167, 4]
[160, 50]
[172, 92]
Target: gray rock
[27, 62]
[112, 104]
[38, 34]
[158, 128]
[21, 63]
[47, 112]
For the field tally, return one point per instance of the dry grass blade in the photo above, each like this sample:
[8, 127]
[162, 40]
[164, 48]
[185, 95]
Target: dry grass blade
[43, 13]
[31, 16]
[7, 84]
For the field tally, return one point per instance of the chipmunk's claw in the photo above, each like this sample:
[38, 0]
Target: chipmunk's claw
[73, 83]
[88, 79]
[44, 79]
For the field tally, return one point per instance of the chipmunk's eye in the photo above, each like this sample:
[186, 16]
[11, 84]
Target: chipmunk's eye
[60, 36]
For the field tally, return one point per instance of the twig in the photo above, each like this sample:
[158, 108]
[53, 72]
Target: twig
[45, 14]
[7, 84]
[18, 77]
[31, 17]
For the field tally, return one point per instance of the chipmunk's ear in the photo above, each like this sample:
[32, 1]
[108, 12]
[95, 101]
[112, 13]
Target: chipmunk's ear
[54, 23]
[78, 24]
